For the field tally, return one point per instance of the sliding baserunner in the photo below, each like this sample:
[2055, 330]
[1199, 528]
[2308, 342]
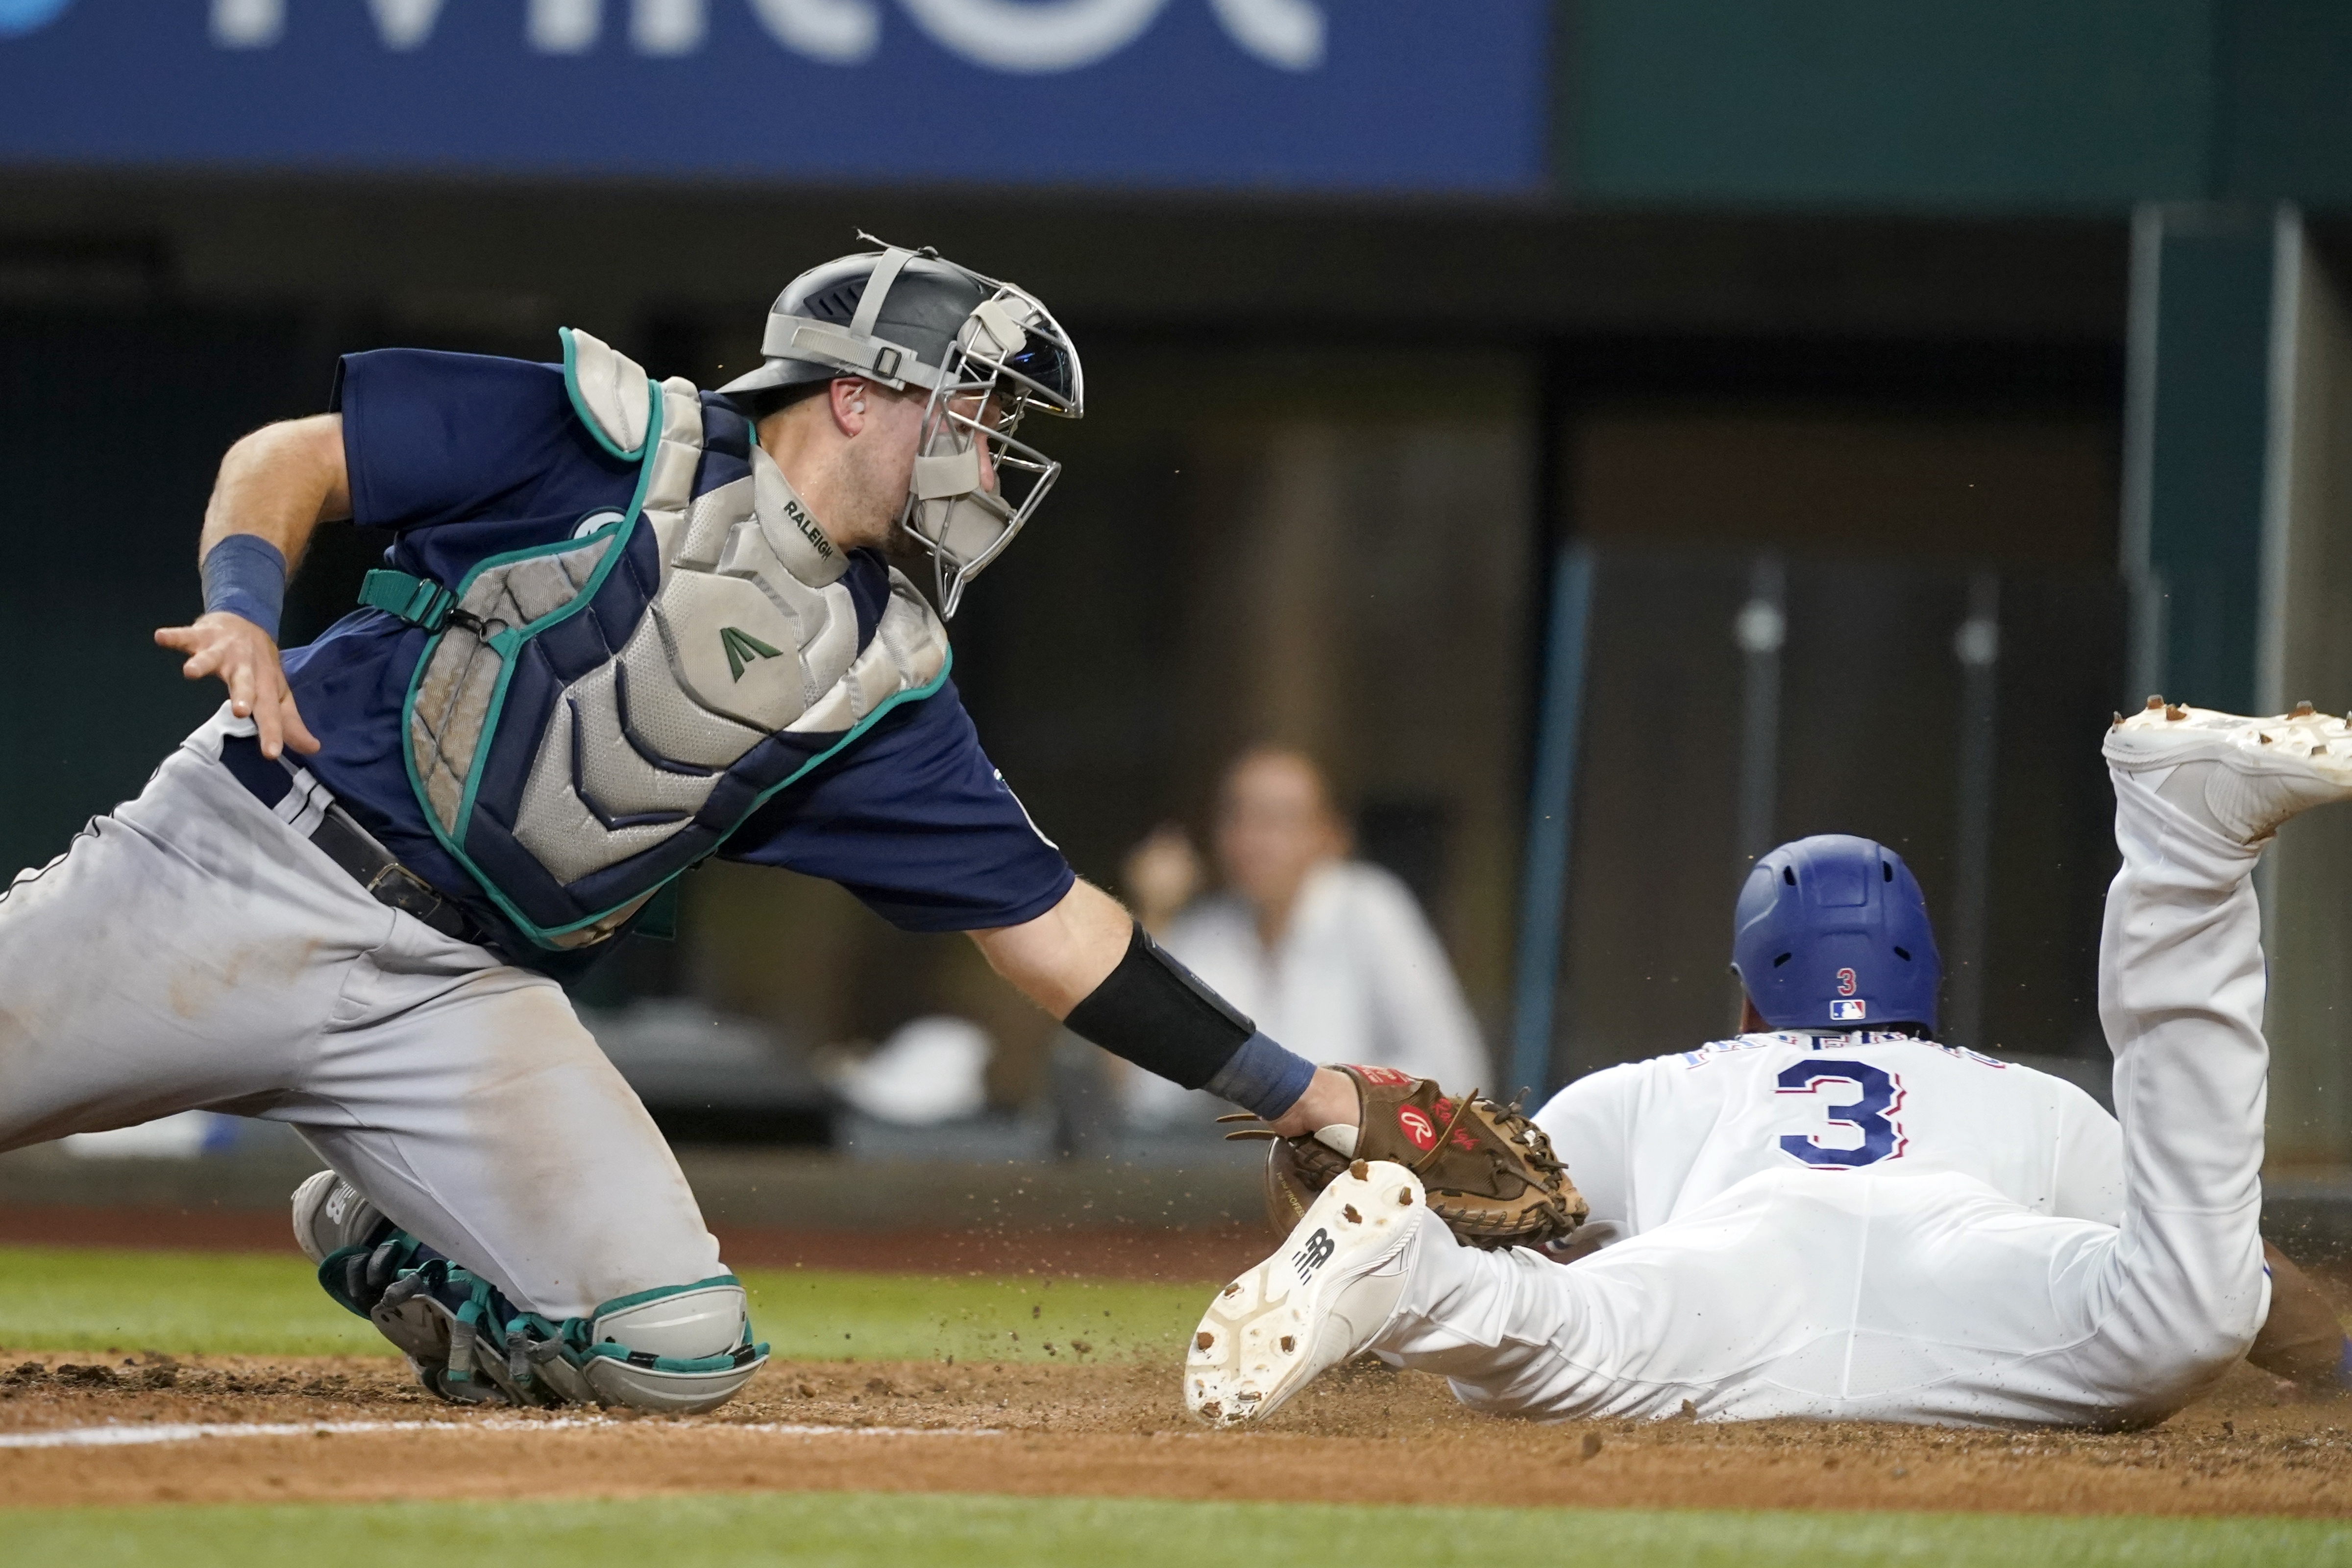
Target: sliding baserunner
[1846, 1219]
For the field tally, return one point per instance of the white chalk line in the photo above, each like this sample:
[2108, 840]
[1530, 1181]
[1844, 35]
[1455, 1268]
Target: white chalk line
[118, 1435]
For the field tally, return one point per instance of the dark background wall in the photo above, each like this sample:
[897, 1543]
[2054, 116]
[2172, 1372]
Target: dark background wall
[1953, 104]
[110, 423]
[1840, 284]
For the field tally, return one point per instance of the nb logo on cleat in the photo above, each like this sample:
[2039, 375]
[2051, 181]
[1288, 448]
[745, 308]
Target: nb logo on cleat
[1314, 1254]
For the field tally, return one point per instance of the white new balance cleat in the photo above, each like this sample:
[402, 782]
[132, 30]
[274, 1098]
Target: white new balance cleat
[1317, 1302]
[329, 1214]
[2241, 776]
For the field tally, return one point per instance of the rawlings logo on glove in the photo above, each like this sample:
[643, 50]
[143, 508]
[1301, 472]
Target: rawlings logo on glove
[1490, 1173]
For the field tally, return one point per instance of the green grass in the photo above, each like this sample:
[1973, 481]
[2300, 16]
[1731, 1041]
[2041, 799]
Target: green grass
[815, 1315]
[62, 1299]
[75, 1298]
[1051, 1533]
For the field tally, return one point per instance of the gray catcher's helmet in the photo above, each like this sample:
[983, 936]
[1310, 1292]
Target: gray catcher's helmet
[902, 317]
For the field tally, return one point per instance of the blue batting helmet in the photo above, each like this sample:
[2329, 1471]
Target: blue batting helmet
[1831, 932]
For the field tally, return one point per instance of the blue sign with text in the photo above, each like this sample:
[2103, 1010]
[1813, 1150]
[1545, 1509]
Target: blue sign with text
[1400, 95]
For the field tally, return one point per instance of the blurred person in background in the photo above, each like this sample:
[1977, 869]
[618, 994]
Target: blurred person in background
[1328, 954]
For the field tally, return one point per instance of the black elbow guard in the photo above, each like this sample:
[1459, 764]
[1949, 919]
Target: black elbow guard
[1159, 1015]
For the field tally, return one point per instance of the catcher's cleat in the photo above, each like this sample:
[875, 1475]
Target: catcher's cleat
[371, 1275]
[330, 1215]
[2241, 776]
[1316, 1303]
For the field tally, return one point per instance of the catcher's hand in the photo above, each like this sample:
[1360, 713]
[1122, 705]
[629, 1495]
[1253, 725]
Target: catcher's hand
[1490, 1173]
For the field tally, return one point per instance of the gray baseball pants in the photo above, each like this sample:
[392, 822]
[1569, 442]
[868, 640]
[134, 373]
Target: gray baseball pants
[192, 949]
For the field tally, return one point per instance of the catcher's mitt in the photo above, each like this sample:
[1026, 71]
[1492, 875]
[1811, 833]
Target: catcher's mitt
[1490, 1173]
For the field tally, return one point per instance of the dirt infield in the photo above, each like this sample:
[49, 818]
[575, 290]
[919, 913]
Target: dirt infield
[1104, 1430]
[1083, 1430]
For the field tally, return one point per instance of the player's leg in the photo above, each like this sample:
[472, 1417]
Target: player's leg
[1683, 1313]
[563, 1253]
[192, 949]
[2182, 1292]
[181, 953]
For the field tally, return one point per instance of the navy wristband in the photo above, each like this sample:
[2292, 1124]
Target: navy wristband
[245, 575]
[1263, 1076]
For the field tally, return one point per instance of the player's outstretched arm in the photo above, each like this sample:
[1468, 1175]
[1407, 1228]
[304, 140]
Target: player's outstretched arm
[275, 486]
[1057, 959]
[1086, 962]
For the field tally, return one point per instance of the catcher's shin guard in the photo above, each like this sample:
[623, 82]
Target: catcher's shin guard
[676, 1350]
[1317, 1302]
[679, 1350]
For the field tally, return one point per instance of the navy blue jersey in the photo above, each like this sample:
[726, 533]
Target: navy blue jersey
[464, 457]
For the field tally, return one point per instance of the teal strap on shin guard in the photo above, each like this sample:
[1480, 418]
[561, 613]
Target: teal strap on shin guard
[441, 1315]
[354, 1278]
[467, 1330]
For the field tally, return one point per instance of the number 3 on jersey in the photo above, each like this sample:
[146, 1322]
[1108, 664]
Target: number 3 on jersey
[1872, 1115]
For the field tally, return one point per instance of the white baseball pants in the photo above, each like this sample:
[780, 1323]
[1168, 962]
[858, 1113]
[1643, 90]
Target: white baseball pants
[191, 949]
[1931, 1297]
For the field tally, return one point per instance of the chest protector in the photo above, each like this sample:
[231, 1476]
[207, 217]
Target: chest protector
[591, 717]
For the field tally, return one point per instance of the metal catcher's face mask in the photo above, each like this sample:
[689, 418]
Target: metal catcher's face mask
[987, 353]
[976, 484]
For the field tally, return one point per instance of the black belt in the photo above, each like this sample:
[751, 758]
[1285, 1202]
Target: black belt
[348, 845]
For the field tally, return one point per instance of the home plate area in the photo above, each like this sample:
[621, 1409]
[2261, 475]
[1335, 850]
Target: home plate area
[75, 1429]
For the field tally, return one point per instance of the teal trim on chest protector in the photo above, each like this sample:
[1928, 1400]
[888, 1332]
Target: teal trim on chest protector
[580, 406]
[912, 694]
[504, 644]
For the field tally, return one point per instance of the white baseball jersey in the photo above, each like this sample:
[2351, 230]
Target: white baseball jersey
[1649, 1140]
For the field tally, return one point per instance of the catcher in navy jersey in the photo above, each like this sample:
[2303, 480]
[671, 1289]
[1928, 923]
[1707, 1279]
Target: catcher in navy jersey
[623, 626]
